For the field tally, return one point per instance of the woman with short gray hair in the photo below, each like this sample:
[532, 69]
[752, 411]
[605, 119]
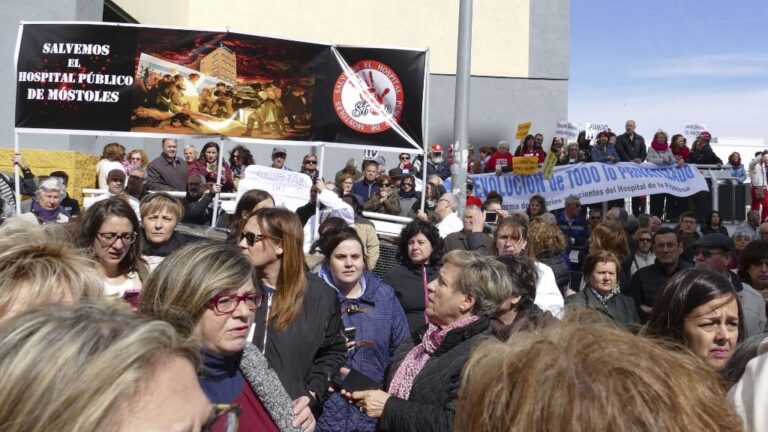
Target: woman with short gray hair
[46, 206]
[426, 370]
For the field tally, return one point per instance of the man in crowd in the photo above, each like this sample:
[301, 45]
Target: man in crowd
[435, 164]
[197, 203]
[278, 158]
[751, 225]
[595, 217]
[472, 237]
[367, 186]
[445, 210]
[309, 166]
[116, 187]
[27, 185]
[654, 223]
[631, 148]
[713, 252]
[763, 230]
[167, 172]
[573, 225]
[689, 234]
[137, 183]
[648, 281]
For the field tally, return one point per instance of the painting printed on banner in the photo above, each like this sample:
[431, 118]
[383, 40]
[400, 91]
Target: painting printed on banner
[290, 189]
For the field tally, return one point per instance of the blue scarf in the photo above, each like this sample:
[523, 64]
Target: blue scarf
[221, 378]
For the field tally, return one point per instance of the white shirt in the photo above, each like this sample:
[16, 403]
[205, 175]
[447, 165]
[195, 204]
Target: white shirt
[548, 296]
[334, 207]
[748, 396]
[103, 167]
[449, 225]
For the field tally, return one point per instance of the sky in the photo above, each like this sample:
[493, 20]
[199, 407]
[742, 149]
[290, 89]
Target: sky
[668, 63]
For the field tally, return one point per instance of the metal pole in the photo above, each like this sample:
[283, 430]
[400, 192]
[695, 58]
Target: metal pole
[16, 174]
[215, 218]
[461, 108]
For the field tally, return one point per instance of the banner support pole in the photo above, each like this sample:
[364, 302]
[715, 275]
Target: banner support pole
[461, 107]
[16, 173]
[320, 166]
[218, 182]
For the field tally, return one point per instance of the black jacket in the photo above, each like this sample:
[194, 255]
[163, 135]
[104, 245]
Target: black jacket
[408, 283]
[647, 283]
[630, 149]
[703, 155]
[307, 353]
[432, 402]
[556, 261]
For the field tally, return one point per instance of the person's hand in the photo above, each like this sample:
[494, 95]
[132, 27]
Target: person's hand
[319, 184]
[215, 188]
[502, 213]
[719, 165]
[637, 160]
[302, 415]
[477, 225]
[423, 216]
[241, 175]
[384, 193]
[18, 160]
[371, 402]
[498, 169]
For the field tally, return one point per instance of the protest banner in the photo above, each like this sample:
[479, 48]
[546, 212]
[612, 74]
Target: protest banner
[522, 130]
[591, 182]
[549, 165]
[593, 129]
[91, 78]
[525, 165]
[566, 130]
[289, 188]
[694, 129]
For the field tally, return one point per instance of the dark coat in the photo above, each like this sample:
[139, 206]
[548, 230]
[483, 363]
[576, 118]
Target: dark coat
[647, 282]
[630, 149]
[479, 242]
[408, 283]
[561, 269]
[620, 307]
[307, 353]
[703, 155]
[432, 402]
[162, 175]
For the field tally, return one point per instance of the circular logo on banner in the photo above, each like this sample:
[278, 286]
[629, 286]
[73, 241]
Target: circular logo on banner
[369, 98]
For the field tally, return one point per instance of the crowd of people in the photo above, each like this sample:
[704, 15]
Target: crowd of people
[112, 319]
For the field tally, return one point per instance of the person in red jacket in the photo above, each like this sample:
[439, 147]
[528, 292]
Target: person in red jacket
[528, 148]
[501, 158]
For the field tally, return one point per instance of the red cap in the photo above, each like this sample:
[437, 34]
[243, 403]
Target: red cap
[705, 134]
[437, 148]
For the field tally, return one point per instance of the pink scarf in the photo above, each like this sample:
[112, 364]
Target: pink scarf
[659, 146]
[402, 382]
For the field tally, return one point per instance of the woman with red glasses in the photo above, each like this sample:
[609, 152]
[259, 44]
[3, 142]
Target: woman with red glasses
[208, 291]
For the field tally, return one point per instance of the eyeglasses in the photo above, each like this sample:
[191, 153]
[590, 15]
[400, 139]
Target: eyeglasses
[250, 238]
[311, 162]
[224, 417]
[706, 253]
[109, 238]
[227, 303]
[386, 185]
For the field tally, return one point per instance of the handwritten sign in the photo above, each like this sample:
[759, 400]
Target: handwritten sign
[289, 189]
[522, 130]
[694, 129]
[525, 165]
[593, 129]
[567, 130]
[549, 165]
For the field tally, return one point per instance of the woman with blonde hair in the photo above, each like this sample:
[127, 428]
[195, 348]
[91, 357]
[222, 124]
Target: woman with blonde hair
[546, 243]
[137, 158]
[95, 367]
[40, 272]
[643, 255]
[160, 214]
[111, 158]
[611, 237]
[299, 329]
[595, 370]
[206, 291]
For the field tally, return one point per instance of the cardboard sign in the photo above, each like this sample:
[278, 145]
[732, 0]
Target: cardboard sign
[695, 129]
[593, 129]
[549, 165]
[522, 130]
[525, 165]
[566, 130]
[289, 189]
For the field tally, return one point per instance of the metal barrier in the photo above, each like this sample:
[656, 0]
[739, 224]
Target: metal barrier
[226, 199]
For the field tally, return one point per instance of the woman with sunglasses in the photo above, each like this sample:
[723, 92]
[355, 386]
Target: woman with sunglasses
[643, 255]
[386, 200]
[299, 329]
[108, 231]
[207, 291]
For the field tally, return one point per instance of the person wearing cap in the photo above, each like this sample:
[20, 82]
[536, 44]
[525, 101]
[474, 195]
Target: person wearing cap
[116, 188]
[501, 160]
[604, 151]
[472, 199]
[713, 252]
[278, 159]
[367, 186]
[702, 152]
[759, 181]
[436, 165]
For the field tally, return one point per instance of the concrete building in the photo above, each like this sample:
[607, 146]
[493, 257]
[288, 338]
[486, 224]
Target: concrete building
[222, 64]
[520, 56]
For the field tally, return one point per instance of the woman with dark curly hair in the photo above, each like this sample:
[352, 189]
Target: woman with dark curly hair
[537, 206]
[208, 166]
[420, 253]
[714, 224]
[239, 159]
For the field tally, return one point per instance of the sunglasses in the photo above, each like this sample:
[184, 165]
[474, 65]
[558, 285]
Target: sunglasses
[385, 185]
[405, 158]
[406, 184]
[250, 238]
[311, 162]
[706, 253]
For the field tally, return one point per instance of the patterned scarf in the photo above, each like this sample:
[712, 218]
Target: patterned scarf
[402, 382]
[604, 298]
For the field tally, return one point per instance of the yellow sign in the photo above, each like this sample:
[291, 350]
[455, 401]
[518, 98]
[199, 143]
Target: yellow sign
[525, 165]
[549, 165]
[522, 130]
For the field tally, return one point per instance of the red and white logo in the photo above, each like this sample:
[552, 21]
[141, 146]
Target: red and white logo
[370, 99]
